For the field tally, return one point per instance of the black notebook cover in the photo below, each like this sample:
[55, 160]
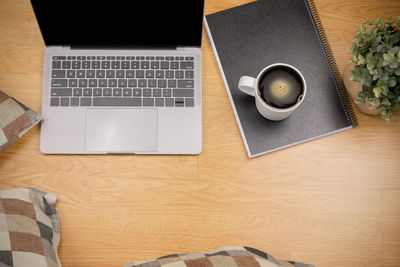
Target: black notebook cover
[250, 37]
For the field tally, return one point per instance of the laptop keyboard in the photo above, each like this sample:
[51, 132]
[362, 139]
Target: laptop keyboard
[149, 81]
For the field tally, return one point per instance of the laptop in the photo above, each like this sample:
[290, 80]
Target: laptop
[121, 76]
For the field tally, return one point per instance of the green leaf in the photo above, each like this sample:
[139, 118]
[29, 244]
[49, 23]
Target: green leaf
[381, 82]
[357, 38]
[397, 71]
[377, 92]
[392, 82]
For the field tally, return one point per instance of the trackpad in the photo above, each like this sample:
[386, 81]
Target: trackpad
[121, 130]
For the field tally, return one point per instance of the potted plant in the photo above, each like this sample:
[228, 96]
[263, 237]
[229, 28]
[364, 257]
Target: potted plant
[375, 67]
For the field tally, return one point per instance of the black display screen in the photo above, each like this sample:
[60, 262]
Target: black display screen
[120, 23]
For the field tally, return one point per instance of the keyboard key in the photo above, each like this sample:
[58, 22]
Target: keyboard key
[187, 65]
[70, 74]
[122, 83]
[73, 83]
[179, 74]
[171, 83]
[112, 83]
[74, 102]
[54, 102]
[130, 58]
[59, 58]
[120, 74]
[102, 83]
[159, 58]
[157, 92]
[189, 58]
[169, 74]
[149, 74]
[97, 92]
[110, 74]
[189, 74]
[86, 102]
[56, 65]
[164, 65]
[110, 58]
[107, 92]
[185, 83]
[132, 83]
[147, 92]
[130, 74]
[183, 92]
[117, 92]
[61, 92]
[137, 92]
[81, 57]
[76, 64]
[105, 64]
[174, 65]
[142, 83]
[145, 65]
[169, 102]
[71, 57]
[127, 92]
[85, 64]
[140, 74]
[148, 102]
[82, 82]
[66, 64]
[58, 74]
[64, 102]
[159, 74]
[140, 58]
[169, 58]
[179, 102]
[92, 83]
[101, 57]
[96, 64]
[189, 102]
[159, 102]
[149, 58]
[90, 73]
[120, 58]
[135, 65]
[80, 74]
[77, 92]
[167, 92]
[117, 101]
[155, 65]
[115, 64]
[87, 92]
[125, 65]
[179, 58]
[58, 82]
[91, 57]
[100, 74]
[152, 83]
[162, 83]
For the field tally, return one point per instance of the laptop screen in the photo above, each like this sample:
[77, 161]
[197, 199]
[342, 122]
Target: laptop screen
[120, 23]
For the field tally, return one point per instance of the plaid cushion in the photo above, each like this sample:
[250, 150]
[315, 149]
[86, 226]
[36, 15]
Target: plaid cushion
[15, 120]
[221, 257]
[29, 228]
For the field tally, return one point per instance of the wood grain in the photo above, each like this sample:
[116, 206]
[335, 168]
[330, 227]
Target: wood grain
[333, 201]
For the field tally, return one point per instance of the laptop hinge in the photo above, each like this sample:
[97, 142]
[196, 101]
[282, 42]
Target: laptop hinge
[123, 47]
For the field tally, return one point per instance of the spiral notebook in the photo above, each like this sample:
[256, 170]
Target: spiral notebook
[247, 38]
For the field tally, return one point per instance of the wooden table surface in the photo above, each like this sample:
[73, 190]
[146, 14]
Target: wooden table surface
[334, 201]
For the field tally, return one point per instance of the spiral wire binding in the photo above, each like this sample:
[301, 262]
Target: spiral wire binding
[348, 106]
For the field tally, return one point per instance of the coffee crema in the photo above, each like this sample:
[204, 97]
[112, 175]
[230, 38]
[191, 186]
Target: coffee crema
[281, 87]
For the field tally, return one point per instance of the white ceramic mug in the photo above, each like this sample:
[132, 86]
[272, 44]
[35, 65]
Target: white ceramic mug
[250, 86]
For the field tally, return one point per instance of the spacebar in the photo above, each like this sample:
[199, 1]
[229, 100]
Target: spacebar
[117, 101]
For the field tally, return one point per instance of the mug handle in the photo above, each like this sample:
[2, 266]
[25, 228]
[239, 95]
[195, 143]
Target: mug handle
[247, 85]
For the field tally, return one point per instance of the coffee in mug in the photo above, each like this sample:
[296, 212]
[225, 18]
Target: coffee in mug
[279, 89]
